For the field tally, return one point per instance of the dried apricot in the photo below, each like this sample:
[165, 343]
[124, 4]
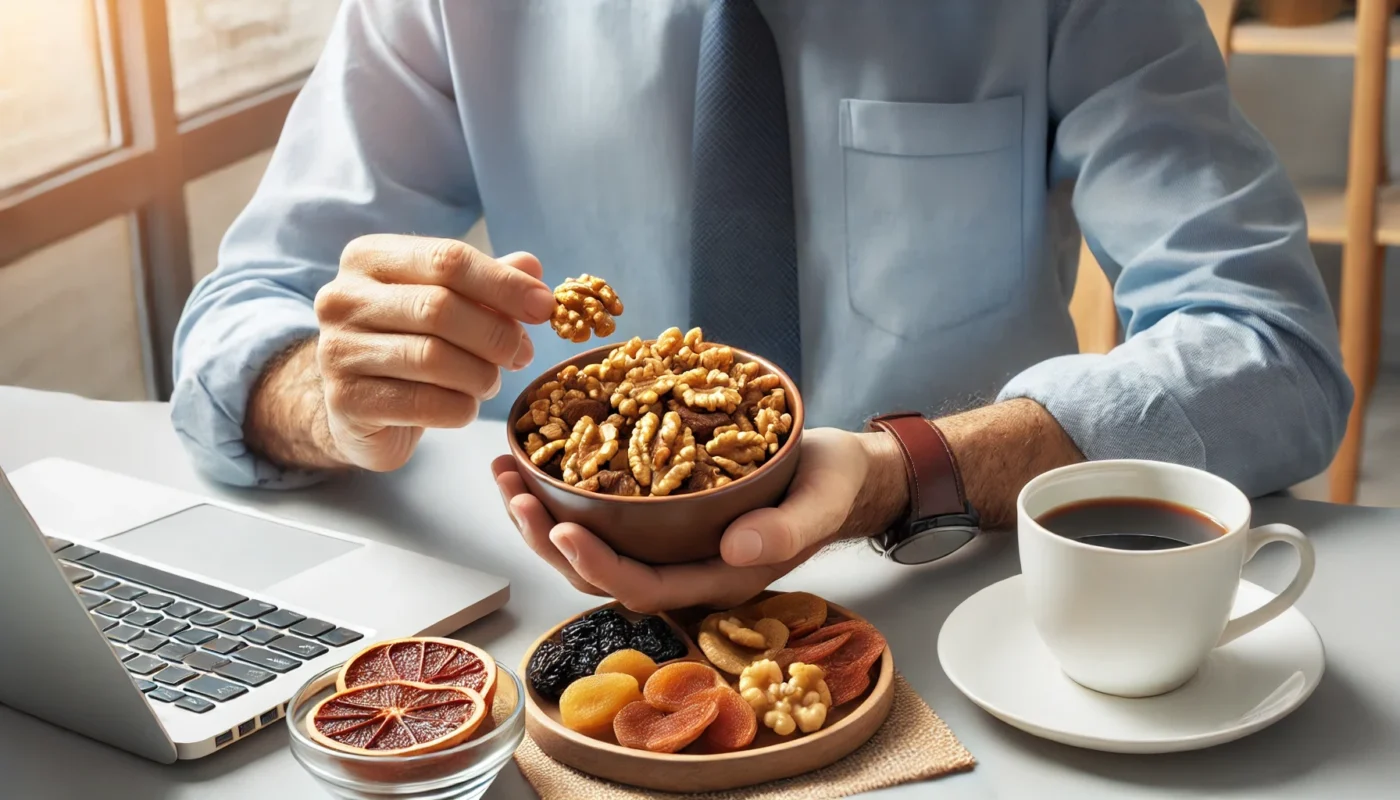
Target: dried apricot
[848, 668]
[589, 704]
[641, 727]
[810, 653]
[670, 687]
[735, 725]
[801, 612]
[732, 644]
[630, 662]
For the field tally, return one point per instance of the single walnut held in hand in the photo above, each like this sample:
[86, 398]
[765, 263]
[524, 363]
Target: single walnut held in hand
[586, 305]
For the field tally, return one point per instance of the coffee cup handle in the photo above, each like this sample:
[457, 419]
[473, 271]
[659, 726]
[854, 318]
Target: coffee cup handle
[1307, 561]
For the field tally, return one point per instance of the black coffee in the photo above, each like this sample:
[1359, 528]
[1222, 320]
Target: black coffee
[1127, 523]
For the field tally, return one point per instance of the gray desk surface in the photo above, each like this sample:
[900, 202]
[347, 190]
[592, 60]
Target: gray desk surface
[1343, 742]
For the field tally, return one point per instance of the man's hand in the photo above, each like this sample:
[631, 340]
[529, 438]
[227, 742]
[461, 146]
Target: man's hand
[846, 485]
[414, 334]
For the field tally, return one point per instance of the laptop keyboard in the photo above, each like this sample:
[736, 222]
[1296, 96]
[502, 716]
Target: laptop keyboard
[185, 642]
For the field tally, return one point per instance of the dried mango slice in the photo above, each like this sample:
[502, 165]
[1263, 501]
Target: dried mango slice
[848, 668]
[589, 705]
[801, 612]
[735, 725]
[641, 727]
[671, 687]
[631, 662]
[812, 653]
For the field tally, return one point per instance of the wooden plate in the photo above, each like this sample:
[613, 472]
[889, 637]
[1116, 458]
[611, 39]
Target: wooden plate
[771, 757]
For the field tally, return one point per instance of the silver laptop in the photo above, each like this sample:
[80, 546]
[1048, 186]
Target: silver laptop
[171, 625]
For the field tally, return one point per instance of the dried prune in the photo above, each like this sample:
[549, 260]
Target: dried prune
[653, 636]
[551, 669]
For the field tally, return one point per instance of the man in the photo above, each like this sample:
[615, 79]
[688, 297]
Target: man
[872, 193]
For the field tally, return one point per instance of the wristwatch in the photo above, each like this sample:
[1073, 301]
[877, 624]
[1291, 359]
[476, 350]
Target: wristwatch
[940, 519]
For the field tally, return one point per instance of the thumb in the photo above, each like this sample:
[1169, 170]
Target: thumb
[817, 504]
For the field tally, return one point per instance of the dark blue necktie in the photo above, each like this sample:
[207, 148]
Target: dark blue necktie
[743, 285]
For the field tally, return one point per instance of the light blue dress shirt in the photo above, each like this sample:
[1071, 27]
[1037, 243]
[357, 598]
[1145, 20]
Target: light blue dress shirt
[934, 145]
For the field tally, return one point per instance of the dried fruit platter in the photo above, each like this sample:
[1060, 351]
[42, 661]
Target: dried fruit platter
[650, 723]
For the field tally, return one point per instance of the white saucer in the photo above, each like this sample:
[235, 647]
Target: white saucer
[990, 650]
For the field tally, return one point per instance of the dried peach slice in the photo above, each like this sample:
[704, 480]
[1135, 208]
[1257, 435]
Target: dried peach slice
[671, 687]
[848, 668]
[811, 653]
[801, 612]
[631, 662]
[396, 718]
[434, 661]
[641, 727]
[590, 703]
[735, 725]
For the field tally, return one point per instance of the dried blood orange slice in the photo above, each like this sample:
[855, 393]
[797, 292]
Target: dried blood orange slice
[396, 718]
[421, 659]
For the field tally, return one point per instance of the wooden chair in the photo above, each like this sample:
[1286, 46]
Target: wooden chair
[1359, 216]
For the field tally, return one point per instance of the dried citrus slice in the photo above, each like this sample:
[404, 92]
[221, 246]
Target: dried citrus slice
[421, 659]
[396, 718]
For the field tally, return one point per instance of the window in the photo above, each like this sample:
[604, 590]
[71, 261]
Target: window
[213, 202]
[224, 49]
[53, 96]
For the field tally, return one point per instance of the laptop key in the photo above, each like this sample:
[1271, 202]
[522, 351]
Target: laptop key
[148, 643]
[143, 619]
[208, 619]
[144, 685]
[298, 647]
[173, 676]
[154, 601]
[55, 544]
[123, 653]
[213, 688]
[99, 584]
[165, 695]
[143, 665]
[261, 635]
[174, 651]
[194, 636]
[311, 627]
[76, 574]
[124, 633]
[251, 609]
[115, 608]
[234, 627]
[281, 618]
[196, 704]
[223, 645]
[267, 659]
[76, 552]
[167, 582]
[340, 637]
[205, 660]
[103, 623]
[244, 673]
[126, 591]
[90, 600]
[180, 609]
[169, 627]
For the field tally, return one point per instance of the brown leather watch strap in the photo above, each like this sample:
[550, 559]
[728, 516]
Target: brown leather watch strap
[935, 487]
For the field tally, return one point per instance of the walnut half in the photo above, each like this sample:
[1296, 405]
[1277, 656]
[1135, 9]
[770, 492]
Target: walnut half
[800, 703]
[589, 448]
[584, 306]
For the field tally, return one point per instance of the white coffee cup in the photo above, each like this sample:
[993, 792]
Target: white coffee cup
[1141, 623]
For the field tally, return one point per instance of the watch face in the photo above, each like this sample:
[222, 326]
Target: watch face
[930, 545]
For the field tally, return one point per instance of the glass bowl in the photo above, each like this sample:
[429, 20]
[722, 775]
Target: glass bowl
[464, 771]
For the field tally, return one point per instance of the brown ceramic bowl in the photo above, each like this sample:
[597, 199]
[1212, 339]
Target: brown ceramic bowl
[661, 530]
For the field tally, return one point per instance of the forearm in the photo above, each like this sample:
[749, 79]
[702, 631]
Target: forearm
[998, 448]
[286, 421]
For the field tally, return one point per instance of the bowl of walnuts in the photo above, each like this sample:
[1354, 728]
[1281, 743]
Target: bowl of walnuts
[654, 445]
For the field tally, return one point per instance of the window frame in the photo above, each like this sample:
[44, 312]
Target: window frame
[143, 176]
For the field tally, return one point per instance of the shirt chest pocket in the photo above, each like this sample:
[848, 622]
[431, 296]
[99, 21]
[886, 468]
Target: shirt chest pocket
[933, 210]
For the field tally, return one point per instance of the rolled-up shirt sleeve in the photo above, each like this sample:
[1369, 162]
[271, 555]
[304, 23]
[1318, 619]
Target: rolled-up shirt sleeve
[1230, 357]
[373, 144]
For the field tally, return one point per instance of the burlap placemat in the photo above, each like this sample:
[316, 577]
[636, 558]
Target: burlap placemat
[912, 745]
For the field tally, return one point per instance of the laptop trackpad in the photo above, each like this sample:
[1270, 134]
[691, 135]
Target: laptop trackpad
[242, 550]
